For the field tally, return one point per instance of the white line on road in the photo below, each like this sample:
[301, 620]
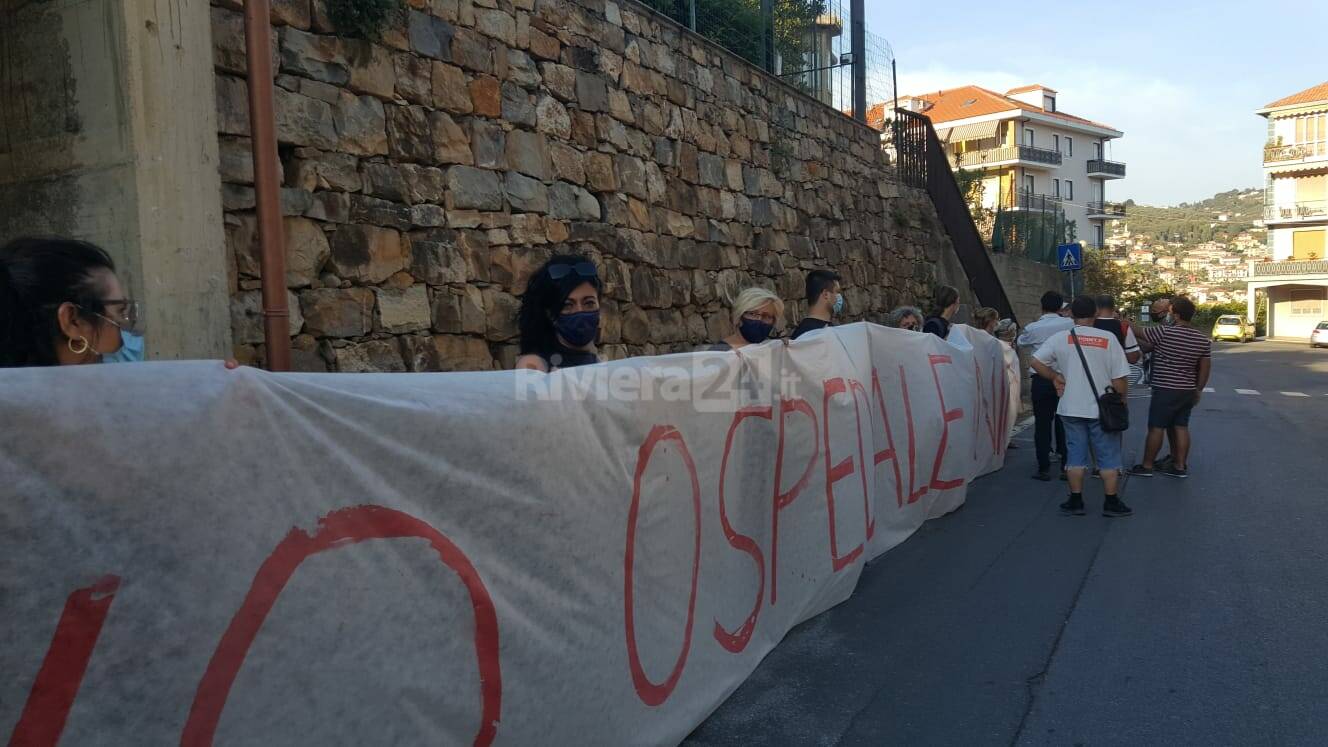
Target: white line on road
[1294, 394]
[1247, 391]
[1209, 389]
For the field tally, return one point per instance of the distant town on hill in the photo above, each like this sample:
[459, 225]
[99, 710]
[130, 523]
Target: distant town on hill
[1221, 217]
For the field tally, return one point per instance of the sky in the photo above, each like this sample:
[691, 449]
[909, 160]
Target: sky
[1181, 80]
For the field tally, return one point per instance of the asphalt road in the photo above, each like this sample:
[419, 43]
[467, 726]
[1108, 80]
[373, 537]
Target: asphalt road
[1202, 619]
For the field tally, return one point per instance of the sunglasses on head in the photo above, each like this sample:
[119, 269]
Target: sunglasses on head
[582, 269]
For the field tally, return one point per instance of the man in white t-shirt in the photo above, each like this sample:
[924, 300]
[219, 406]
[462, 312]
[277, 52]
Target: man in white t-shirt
[1058, 360]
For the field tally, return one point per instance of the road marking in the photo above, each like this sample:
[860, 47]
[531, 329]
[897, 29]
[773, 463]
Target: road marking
[1209, 389]
[1294, 394]
[1247, 391]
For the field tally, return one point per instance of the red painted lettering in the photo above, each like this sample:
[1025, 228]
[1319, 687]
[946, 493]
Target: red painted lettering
[53, 692]
[889, 452]
[782, 500]
[736, 641]
[339, 529]
[947, 417]
[914, 492]
[836, 472]
[652, 693]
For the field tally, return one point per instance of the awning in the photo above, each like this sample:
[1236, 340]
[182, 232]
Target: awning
[975, 131]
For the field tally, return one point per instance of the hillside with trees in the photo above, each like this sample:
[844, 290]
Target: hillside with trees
[1196, 222]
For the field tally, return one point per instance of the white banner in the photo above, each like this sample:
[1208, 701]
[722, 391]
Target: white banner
[596, 556]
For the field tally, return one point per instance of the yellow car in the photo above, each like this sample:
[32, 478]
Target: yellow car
[1233, 328]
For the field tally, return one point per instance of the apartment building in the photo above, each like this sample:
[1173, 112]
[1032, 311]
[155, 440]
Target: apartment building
[1295, 165]
[1031, 154]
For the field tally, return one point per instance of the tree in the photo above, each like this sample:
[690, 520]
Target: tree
[1130, 285]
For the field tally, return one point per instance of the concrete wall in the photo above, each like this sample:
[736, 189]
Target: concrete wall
[1025, 281]
[430, 172]
[105, 135]
[1294, 310]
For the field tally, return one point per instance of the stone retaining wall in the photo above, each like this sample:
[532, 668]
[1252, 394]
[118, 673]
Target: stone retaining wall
[429, 172]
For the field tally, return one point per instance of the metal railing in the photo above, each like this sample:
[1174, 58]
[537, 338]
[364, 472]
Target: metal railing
[1308, 210]
[1107, 208]
[1293, 267]
[1294, 152]
[1010, 153]
[1022, 199]
[1102, 166]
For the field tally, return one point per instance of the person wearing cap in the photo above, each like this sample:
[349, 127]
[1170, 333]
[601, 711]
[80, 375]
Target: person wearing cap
[560, 315]
[1045, 398]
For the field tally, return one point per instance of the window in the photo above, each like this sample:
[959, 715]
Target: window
[1056, 143]
[1069, 146]
[1028, 183]
[1051, 103]
[1028, 136]
[1055, 187]
[1097, 236]
[1097, 151]
[1069, 189]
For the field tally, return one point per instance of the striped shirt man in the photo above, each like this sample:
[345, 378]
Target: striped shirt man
[1177, 351]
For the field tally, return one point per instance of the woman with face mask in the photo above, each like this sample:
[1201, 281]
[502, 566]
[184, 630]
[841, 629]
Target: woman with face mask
[559, 316]
[61, 303]
[756, 313]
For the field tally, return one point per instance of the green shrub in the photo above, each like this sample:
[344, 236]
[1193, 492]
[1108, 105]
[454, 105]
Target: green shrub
[360, 18]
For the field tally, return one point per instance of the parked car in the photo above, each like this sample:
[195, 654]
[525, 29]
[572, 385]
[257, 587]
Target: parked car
[1320, 335]
[1232, 327]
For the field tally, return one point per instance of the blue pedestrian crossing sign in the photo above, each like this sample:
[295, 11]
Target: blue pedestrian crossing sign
[1070, 257]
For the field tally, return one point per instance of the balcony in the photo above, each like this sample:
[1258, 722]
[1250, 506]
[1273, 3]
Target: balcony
[1102, 169]
[1106, 210]
[1277, 154]
[1011, 155]
[1290, 268]
[1025, 200]
[1297, 212]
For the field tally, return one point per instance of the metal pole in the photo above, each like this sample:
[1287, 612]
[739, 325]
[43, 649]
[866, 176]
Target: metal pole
[768, 35]
[858, 41]
[691, 20]
[263, 132]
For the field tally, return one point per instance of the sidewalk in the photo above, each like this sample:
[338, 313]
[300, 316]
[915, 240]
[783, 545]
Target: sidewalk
[945, 633]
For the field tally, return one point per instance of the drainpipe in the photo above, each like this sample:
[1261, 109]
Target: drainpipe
[267, 188]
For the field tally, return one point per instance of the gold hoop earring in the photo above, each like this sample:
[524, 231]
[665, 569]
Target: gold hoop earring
[82, 341]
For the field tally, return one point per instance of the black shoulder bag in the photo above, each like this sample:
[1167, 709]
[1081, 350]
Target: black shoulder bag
[1113, 414]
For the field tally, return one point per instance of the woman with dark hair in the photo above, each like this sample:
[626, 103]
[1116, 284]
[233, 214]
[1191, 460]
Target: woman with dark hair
[559, 316]
[944, 305]
[61, 304]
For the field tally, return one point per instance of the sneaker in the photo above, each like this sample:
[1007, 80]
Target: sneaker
[1164, 462]
[1116, 509]
[1174, 471]
[1139, 470]
[1073, 508]
[1043, 474]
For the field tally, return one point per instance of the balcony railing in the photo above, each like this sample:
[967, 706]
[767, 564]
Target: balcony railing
[1296, 152]
[1107, 208]
[1100, 166]
[1010, 153]
[1309, 210]
[1292, 267]
[1025, 200]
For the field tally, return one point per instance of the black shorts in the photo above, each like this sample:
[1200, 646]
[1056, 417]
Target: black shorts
[1170, 407]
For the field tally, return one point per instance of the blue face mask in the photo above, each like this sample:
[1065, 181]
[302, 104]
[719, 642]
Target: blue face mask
[839, 303]
[131, 349]
[579, 329]
[754, 331]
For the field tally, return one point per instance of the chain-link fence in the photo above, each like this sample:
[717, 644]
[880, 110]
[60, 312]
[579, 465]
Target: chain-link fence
[807, 43]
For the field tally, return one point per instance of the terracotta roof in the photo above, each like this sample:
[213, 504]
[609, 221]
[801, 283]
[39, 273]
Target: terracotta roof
[975, 101]
[1026, 89]
[1309, 95]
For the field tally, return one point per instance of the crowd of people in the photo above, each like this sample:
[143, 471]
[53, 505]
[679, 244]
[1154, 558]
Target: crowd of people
[1082, 350]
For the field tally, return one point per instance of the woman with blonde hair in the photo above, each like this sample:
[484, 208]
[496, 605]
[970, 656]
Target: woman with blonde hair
[756, 313]
[986, 319]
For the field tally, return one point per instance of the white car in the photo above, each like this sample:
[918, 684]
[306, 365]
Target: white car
[1320, 335]
[1232, 327]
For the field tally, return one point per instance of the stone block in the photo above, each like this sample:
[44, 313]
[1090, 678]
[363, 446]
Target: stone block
[232, 106]
[620, 106]
[321, 58]
[560, 80]
[500, 317]
[332, 207]
[428, 216]
[361, 124]
[488, 144]
[497, 24]
[528, 153]
[518, 107]
[385, 181]
[600, 174]
[486, 96]
[247, 316]
[437, 257]
[457, 353]
[373, 211]
[521, 69]
[544, 46]
[552, 118]
[711, 170]
[403, 310]
[414, 78]
[631, 175]
[367, 254]
[450, 91]
[337, 312]
[472, 51]
[450, 142]
[473, 188]
[572, 202]
[373, 356]
[526, 195]
[568, 163]
[372, 70]
[592, 93]
[302, 120]
[430, 36]
[528, 228]
[409, 135]
[423, 183]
